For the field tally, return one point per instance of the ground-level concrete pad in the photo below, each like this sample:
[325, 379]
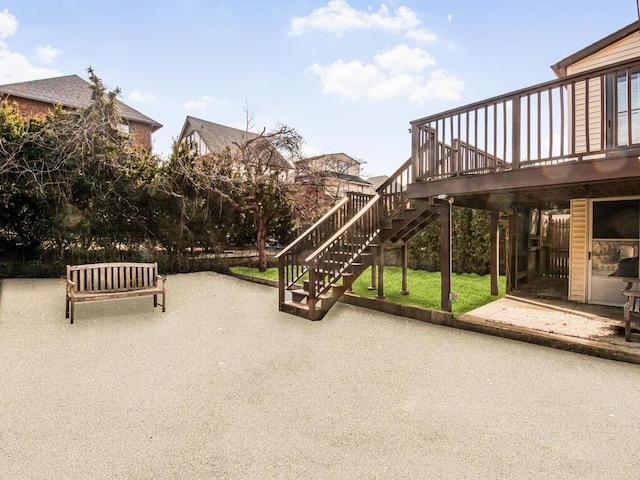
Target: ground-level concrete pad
[223, 385]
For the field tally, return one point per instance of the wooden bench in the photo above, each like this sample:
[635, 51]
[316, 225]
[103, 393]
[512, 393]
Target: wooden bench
[632, 307]
[104, 281]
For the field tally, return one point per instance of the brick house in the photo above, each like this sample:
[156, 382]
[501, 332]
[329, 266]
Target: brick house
[37, 97]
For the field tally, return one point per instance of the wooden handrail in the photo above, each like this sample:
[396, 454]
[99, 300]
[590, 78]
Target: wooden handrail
[344, 228]
[313, 227]
[394, 176]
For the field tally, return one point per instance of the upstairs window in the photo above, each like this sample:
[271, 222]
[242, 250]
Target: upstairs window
[628, 108]
[191, 142]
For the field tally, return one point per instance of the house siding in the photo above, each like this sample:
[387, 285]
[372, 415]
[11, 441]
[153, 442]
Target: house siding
[140, 132]
[578, 232]
[625, 49]
[594, 118]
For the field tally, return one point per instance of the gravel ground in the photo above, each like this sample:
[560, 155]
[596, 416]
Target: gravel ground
[551, 321]
[224, 386]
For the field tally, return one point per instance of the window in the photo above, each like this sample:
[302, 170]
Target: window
[627, 102]
[191, 142]
[124, 128]
[616, 231]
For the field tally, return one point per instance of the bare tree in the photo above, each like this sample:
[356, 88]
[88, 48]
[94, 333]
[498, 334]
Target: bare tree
[322, 181]
[255, 176]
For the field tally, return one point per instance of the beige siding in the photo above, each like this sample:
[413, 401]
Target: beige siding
[578, 251]
[594, 118]
[625, 49]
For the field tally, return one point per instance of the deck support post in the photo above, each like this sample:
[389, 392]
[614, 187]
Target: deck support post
[512, 251]
[404, 250]
[373, 285]
[494, 257]
[281, 284]
[380, 294]
[445, 255]
[515, 132]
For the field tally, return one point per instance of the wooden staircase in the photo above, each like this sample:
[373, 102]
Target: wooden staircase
[317, 268]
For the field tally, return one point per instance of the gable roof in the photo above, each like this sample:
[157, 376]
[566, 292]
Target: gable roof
[216, 137]
[329, 156]
[560, 68]
[70, 91]
[350, 178]
[344, 177]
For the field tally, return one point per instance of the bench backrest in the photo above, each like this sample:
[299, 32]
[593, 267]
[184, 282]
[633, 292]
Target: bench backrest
[102, 277]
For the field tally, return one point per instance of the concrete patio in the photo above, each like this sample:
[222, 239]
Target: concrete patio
[224, 386]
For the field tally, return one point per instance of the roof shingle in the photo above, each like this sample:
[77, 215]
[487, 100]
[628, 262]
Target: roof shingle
[70, 91]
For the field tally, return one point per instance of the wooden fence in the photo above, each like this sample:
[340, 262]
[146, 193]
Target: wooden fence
[558, 241]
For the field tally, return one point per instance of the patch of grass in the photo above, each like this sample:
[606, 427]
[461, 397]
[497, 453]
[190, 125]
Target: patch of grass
[424, 287]
[270, 274]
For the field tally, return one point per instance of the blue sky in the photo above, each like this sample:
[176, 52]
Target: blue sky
[348, 75]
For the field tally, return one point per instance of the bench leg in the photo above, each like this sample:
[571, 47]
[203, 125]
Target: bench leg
[67, 303]
[627, 320]
[164, 301]
[72, 305]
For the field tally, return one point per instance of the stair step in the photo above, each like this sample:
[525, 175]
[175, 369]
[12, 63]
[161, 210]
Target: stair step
[302, 310]
[296, 305]
[305, 293]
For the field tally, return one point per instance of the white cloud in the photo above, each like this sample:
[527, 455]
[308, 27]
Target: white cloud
[403, 59]
[441, 84]
[399, 72]
[339, 17]
[46, 54]
[203, 102]
[391, 87]
[421, 35]
[16, 67]
[8, 24]
[141, 96]
[351, 80]
[396, 73]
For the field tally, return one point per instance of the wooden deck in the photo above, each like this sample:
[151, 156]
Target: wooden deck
[577, 137]
[535, 147]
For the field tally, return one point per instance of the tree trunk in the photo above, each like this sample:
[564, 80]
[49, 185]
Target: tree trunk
[261, 242]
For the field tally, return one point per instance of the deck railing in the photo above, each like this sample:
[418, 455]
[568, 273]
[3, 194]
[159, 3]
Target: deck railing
[587, 116]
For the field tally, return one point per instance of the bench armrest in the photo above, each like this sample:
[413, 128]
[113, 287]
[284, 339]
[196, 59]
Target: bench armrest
[71, 286]
[629, 281]
[161, 277]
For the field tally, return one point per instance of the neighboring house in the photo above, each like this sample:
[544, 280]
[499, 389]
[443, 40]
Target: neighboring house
[572, 144]
[377, 181]
[335, 174]
[37, 97]
[206, 138]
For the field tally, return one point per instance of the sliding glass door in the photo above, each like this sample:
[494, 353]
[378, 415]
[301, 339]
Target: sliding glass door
[615, 241]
